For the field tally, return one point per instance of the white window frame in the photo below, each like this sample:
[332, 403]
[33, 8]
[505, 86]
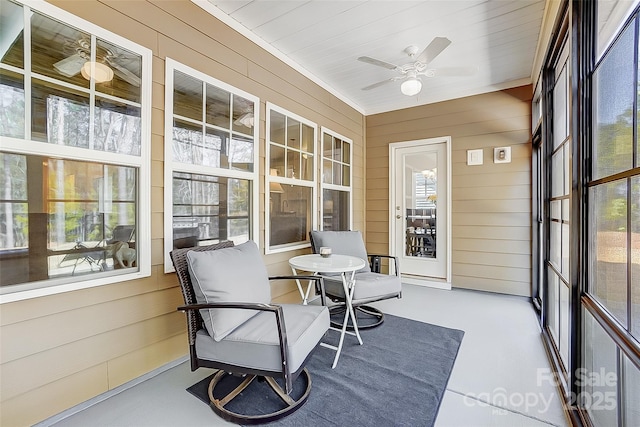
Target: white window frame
[313, 184]
[323, 185]
[170, 166]
[25, 146]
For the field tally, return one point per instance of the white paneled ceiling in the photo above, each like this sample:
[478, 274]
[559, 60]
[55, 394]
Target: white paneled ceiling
[324, 38]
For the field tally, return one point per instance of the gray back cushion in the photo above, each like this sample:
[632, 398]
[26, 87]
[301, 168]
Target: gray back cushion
[342, 243]
[235, 274]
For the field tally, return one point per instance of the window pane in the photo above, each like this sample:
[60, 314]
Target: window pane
[218, 106]
[614, 90]
[290, 215]
[77, 218]
[58, 50]
[327, 171]
[327, 145]
[335, 210]
[610, 14]
[276, 127]
[346, 152]
[11, 104]
[118, 127]
[199, 203]
[337, 173]
[212, 156]
[560, 107]
[553, 309]
[632, 393]
[598, 376]
[59, 116]
[293, 164]
[346, 175]
[127, 71]
[608, 251]
[337, 150]
[12, 24]
[555, 248]
[563, 340]
[187, 142]
[243, 119]
[241, 153]
[14, 222]
[635, 257]
[557, 173]
[276, 160]
[307, 167]
[293, 133]
[187, 96]
[307, 139]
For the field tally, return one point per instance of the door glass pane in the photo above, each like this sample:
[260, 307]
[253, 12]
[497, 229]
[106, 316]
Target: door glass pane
[599, 375]
[421, 180]
[614, 91]
[608, 251]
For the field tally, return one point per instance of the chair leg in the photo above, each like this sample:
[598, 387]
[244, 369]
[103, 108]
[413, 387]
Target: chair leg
[291, 404]
[367, 312]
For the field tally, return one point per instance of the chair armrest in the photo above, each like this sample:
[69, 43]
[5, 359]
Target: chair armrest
[282, 332]
[375, 263]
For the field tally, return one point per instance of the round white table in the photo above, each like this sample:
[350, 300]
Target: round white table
[345, 265]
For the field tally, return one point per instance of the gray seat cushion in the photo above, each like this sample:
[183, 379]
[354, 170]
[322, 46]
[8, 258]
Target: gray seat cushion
[234, 274]
[255, 344]
[369, 286]
[342, 243]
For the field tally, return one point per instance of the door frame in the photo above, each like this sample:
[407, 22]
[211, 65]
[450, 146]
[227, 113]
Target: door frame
[393, 147]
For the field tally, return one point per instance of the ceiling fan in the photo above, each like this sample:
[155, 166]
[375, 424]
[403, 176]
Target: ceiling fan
[412, 71]
[102, 70]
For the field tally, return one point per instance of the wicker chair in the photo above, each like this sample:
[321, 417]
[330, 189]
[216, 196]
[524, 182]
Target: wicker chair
[275, 342]
[371, 284]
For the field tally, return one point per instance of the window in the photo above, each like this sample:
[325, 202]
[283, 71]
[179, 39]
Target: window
[611, 341]
[291, 180]
[336, 181]
[69, 89]
[211, 157]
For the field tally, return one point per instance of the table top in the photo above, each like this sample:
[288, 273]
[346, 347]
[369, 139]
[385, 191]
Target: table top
[332, 264]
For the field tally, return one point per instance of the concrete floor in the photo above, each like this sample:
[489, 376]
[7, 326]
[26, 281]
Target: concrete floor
[501, 377]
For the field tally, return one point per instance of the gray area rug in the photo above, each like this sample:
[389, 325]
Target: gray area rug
[396, 378]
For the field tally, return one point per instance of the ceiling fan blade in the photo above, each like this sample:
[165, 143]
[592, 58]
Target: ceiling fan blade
[70, 66]
[377, 62]
[125, 74]
[455, 71]
[382, 83]
[434, 49]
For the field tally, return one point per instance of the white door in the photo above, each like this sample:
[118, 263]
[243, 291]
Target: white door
[420, 208]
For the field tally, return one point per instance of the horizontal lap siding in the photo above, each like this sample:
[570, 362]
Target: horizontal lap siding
[61, 350]
[491, 208]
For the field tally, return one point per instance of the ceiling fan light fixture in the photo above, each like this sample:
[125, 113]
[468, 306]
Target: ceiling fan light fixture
[411, 86]
[100, 72]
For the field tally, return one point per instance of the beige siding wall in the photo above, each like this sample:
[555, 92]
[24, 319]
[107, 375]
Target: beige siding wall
[61, 350]
[491, 208]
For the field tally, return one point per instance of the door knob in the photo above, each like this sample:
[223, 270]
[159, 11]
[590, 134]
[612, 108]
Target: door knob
[398, 217]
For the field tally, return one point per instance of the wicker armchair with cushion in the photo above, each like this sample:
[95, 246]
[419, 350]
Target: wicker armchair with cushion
[234, 327]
